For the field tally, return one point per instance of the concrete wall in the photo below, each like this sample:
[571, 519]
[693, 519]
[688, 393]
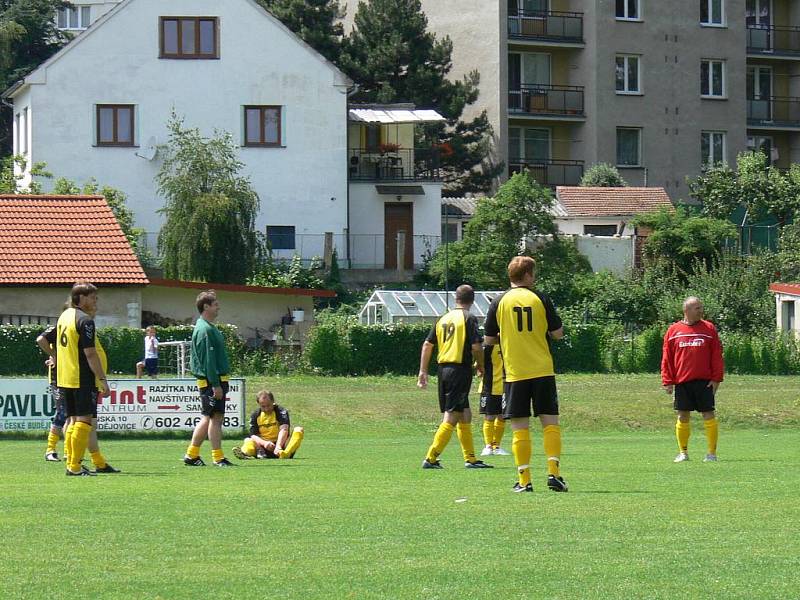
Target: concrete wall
[112, 305]
[303, 183]
[367, 242]
[244, 309]
[614, 254]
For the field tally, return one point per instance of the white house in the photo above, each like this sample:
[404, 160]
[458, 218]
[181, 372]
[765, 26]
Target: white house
[99, 108]
[787, 306]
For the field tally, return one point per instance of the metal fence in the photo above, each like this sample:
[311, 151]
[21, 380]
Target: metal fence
[546, 25]
[548, 172]
[402, 164]
[772, 40]
[543, 99]
[773, 110]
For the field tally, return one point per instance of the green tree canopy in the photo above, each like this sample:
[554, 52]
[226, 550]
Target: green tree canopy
[602, 175]
[497, 233]
[681, 238]
[28, 37]
[317, 22]
[762, 189]
[210, 208]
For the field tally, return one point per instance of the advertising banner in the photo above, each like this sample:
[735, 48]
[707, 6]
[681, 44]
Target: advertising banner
[134, 405]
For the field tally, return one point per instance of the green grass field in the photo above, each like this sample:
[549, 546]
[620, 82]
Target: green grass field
[353, 516]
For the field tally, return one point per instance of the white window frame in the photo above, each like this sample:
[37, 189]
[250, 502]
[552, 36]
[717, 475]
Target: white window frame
[626, 59]
[711, 95]
[626, 17]
[723, 16]
[80, 12]
[708, 161]
[638, 150]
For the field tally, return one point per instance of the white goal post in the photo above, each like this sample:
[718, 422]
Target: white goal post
[173, 357]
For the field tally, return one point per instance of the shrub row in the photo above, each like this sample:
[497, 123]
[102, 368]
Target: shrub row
[343, 348]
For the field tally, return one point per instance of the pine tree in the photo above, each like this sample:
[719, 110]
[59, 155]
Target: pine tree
[317, 22]
[394, 58]
[28, 37]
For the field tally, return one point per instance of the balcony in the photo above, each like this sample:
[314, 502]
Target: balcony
[548, 172]
[554, 28]
[404, 164]
[774, 112]
[773, 41]
[552, 102]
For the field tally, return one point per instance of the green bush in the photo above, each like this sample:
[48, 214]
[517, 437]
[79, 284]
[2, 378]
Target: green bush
[580, 350]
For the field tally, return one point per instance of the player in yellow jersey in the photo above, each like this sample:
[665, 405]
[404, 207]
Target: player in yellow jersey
[269, 432]
[491, 395]
[521, 320]
[458, 341]
[79, 370]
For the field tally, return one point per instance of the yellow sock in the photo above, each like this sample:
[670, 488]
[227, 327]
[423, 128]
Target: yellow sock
[488, 432]
[294, 443]
[193, 451]
[499, 430]
[217, 455]
[712, 434]
[439, 442]
[249, 448]
[552, 448]
[80, 440]
[521, 449]
[98, 460]
[52, 440]
[682, 431]
[464, 431]
[68, 442]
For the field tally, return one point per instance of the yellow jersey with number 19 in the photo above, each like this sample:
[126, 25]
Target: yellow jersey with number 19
[522, 318]
[451, 335]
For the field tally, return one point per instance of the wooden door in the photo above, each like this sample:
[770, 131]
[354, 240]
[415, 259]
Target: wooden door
[398, 216]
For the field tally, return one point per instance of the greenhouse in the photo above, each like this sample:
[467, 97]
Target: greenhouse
[390, 306]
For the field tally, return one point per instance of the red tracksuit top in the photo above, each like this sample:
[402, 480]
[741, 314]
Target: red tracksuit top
[691, 352]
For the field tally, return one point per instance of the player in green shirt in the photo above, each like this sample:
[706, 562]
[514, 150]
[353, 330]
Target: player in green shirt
[209, 363]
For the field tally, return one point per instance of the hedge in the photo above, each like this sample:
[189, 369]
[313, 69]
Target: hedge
[124, 347]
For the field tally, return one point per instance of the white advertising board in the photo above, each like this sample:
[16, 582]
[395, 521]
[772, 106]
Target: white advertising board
[134, 405]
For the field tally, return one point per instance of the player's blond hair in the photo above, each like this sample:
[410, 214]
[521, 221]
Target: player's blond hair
[519, 267]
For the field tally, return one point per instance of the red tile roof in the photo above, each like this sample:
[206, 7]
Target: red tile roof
[231, 287]
[47, 240]
[785, 288]
[611, 202]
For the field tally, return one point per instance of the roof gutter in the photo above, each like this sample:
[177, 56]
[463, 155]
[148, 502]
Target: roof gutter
[8, 92]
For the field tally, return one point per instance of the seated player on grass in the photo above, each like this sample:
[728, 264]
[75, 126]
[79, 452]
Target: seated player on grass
[269, 432]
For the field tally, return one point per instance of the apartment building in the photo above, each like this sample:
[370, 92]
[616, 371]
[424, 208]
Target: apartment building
[657, 88]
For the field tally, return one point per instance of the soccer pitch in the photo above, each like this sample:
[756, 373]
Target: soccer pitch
[354, 516]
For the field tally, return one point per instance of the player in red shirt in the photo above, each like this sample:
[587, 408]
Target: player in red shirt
[691, 366]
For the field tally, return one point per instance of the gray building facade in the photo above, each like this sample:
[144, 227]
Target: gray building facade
[657, 88]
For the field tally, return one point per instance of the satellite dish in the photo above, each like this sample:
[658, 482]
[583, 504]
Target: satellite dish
[149, 150]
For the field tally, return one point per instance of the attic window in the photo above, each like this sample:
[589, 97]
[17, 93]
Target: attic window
[189, 37]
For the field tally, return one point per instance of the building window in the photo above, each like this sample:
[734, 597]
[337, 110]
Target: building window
[627, 74]
[629, 147]
[528, 144]
[18, 136]
[712, 12]
[372, 137]
[599, 230]
[712, 78]
[449, 232]
[281, 237]
[24, 128]
[628, 10]
[262, 125]
[115, 125]
[189, 37]
[765, 144]
[712, 147]
[75, 18]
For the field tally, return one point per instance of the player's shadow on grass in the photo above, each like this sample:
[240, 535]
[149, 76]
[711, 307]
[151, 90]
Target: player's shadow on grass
[610, 492]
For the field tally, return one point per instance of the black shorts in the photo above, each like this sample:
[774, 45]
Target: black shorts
[694, 395]
[454, 384]
[491, 405]
[211, 405]
[539, 393]
[79, 402]
[60, 416]
[151, 366]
